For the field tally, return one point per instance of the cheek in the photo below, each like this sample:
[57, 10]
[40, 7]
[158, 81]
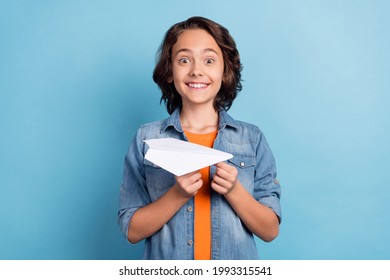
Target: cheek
[177, 75]
[220, 78]
[178, 86]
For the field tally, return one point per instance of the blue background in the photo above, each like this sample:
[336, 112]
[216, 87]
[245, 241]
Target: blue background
[75, 84]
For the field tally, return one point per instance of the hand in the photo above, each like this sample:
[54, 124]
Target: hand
[225, 178]
[188, 185]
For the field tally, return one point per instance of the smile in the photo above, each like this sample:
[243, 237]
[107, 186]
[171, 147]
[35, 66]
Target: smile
[197, 85]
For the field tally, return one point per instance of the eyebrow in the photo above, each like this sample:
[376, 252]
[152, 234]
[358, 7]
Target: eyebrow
[205, 50]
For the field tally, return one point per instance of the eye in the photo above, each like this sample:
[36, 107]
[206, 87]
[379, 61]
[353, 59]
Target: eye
[209, 61]
[184, 60]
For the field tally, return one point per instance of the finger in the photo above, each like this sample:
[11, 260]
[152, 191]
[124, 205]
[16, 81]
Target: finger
[188, 189]
[188, 175]
[188, 179]
[193, 188]
[218, 188]
[229, 177]
[227, 167]
[220, 181]
[197, 185]
[221, 172]
[192, 178]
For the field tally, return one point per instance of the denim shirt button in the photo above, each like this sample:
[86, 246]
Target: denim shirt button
[189, 208]
[190, 242]
[242, 164]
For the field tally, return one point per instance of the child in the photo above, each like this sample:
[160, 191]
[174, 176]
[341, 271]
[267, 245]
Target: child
[214, 212]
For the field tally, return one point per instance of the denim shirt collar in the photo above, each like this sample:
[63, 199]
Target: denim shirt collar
[174, 120]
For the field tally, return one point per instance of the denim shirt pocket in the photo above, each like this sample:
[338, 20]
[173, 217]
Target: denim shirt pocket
[246, 170]
[158, 180]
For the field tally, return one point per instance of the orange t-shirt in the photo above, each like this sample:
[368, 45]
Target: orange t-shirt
[202, 202]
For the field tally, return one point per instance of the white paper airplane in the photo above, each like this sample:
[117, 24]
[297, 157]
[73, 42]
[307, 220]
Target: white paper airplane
[182, 157]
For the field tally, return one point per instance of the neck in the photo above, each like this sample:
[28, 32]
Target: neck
[199, 121]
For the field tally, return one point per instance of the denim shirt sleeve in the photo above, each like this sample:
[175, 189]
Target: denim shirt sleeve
[266, 187]
[133, 193]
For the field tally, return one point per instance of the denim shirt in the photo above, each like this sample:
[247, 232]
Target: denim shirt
[144, 182]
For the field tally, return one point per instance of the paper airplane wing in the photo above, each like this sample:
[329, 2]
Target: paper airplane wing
[182, 157]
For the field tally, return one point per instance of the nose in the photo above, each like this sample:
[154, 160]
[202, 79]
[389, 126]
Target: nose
[196, 70]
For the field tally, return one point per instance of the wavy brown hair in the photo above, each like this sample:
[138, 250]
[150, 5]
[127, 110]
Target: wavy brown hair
[231, 84]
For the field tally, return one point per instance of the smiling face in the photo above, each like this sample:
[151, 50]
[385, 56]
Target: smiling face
[197, 67]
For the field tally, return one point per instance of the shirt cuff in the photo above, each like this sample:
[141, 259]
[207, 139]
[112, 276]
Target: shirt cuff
[272, 202]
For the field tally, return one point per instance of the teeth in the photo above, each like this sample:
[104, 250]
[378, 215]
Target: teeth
[197, 85]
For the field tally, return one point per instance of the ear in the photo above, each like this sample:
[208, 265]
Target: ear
[170, 80]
